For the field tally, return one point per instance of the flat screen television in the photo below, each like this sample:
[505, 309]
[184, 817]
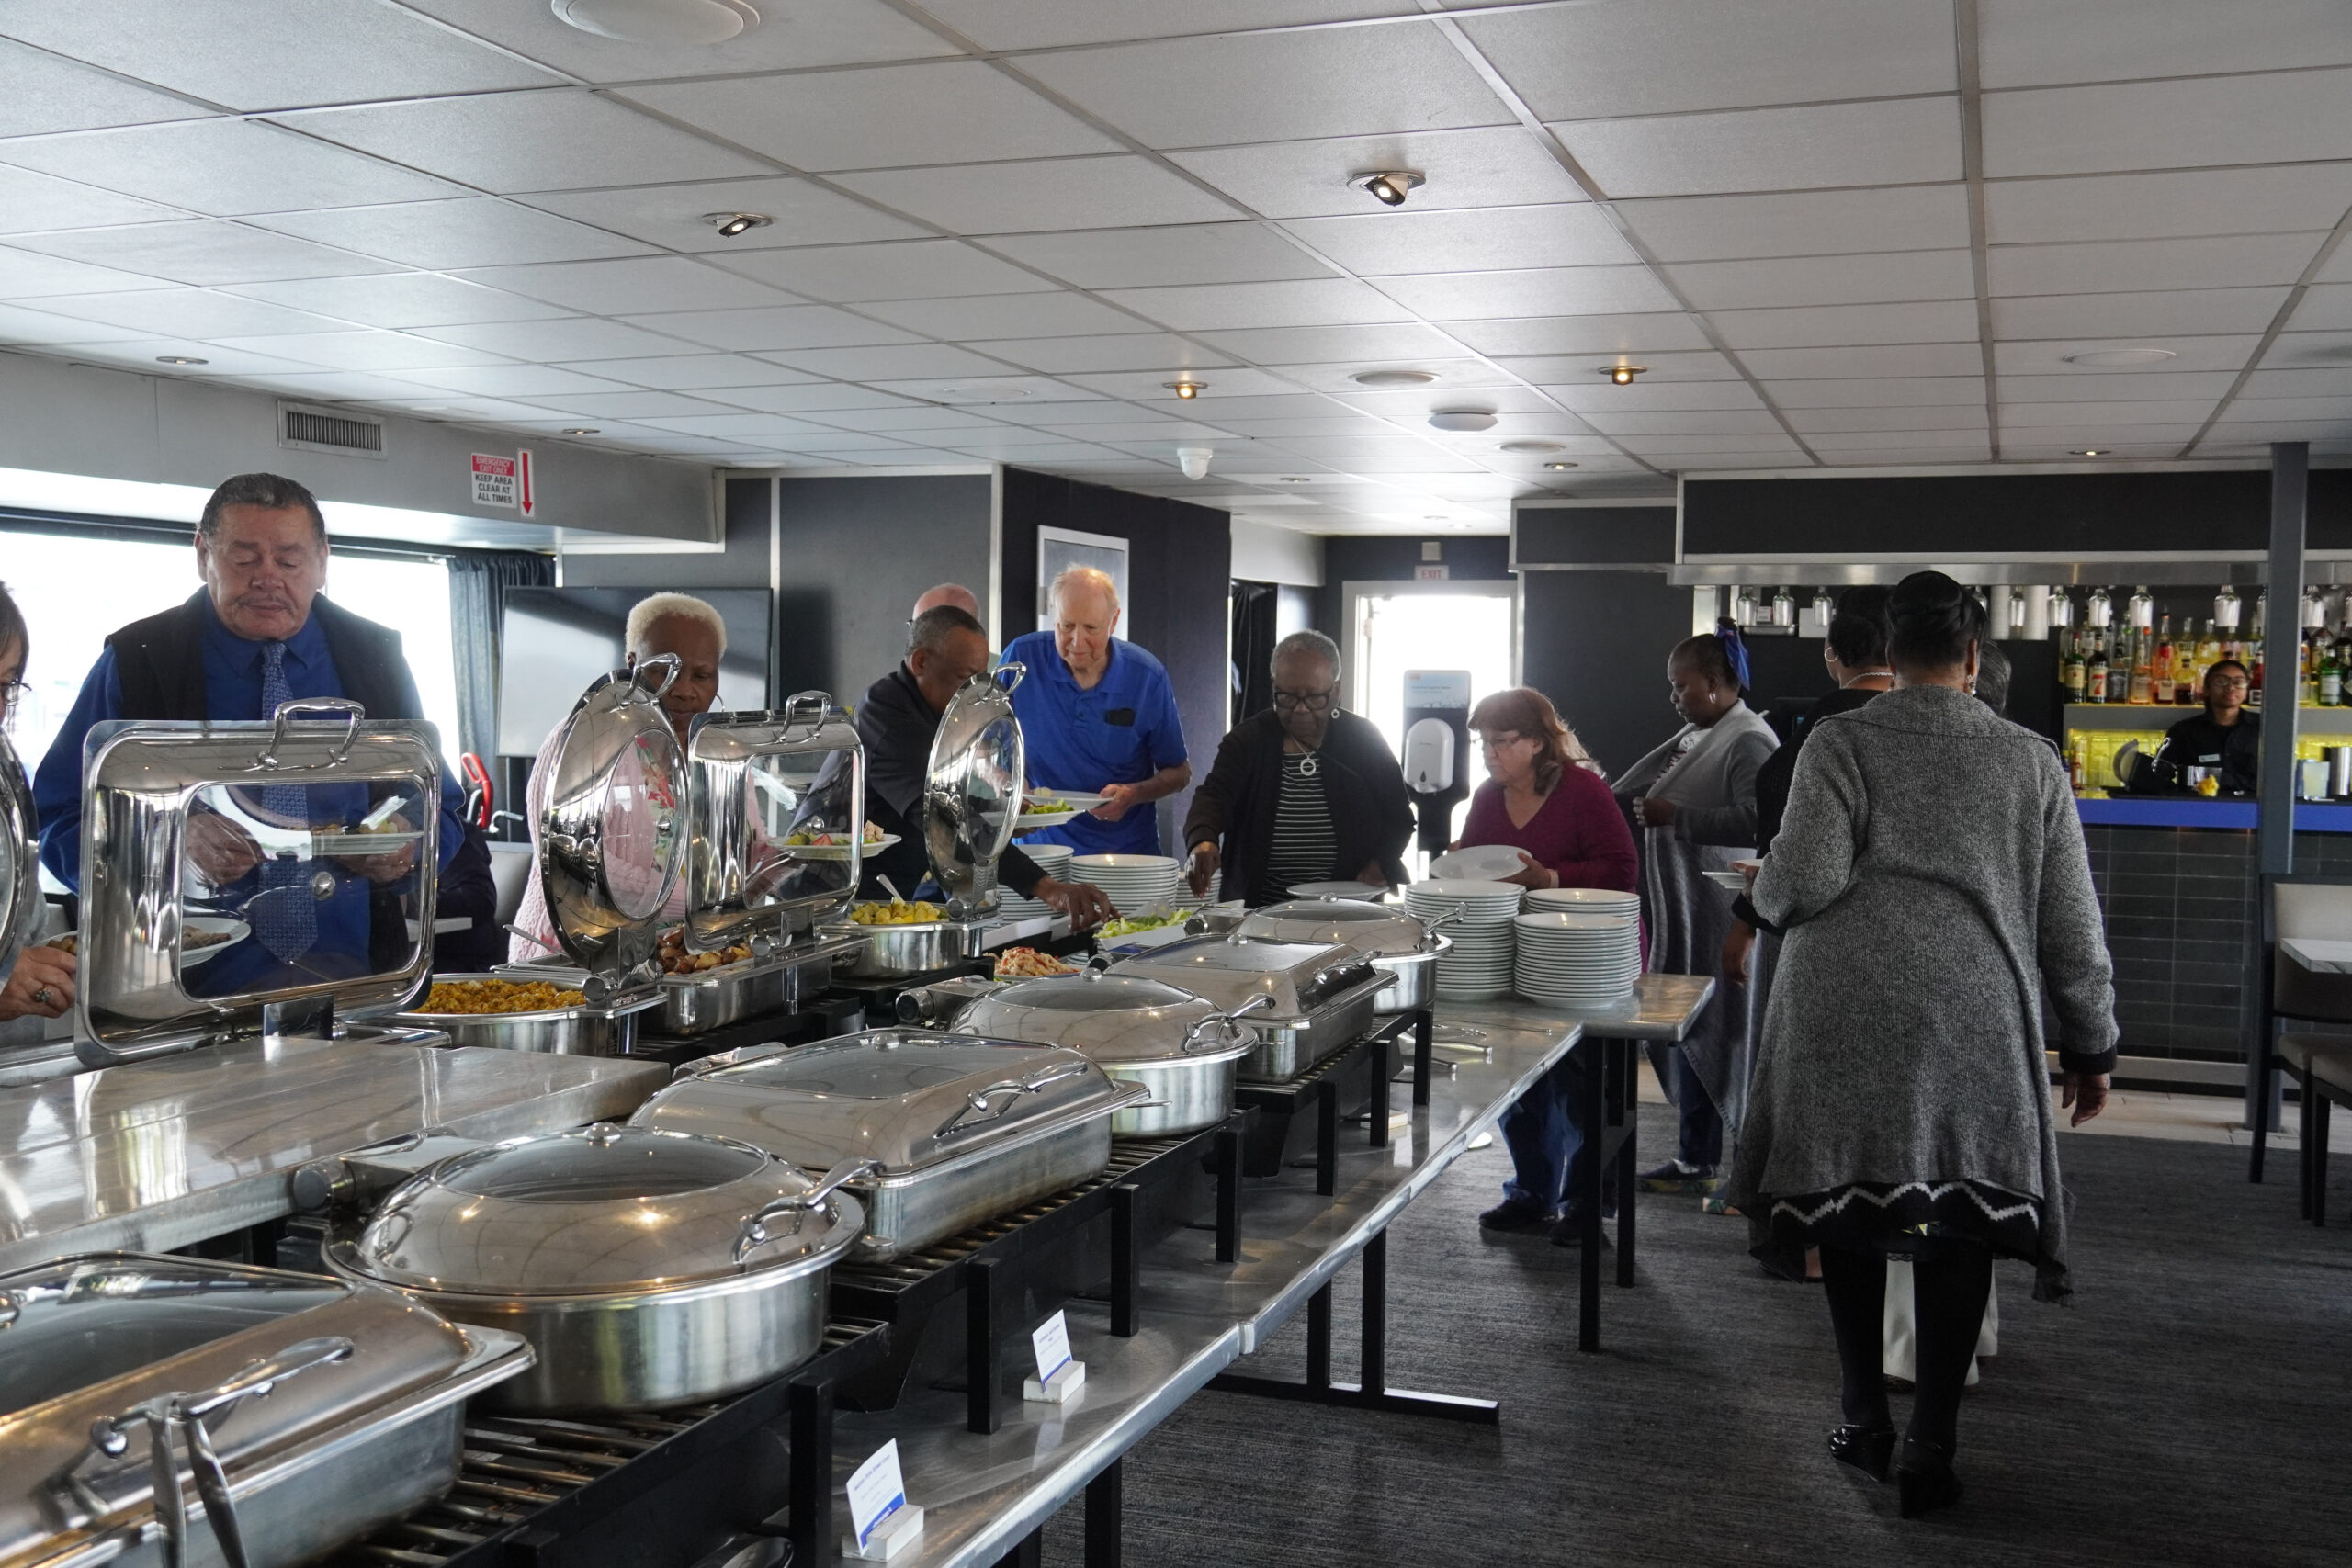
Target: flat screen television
[557, 640]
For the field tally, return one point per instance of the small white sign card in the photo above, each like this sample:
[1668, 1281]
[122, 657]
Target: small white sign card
[1058, 1376]
[879, 1514]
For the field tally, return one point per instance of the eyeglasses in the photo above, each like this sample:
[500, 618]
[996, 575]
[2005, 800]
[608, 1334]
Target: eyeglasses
[1313, 702]
[1497, 742]
[12, 697]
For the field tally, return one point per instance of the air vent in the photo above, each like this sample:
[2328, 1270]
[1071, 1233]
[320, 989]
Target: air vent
[327, 430]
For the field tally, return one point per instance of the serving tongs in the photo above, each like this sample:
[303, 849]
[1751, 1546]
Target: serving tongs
[182, 1416]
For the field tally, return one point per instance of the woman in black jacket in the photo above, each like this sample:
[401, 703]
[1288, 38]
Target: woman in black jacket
[1300, 792]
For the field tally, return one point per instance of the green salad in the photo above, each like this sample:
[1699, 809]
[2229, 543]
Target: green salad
[1128, 925]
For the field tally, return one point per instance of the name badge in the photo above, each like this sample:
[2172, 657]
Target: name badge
[1124, 717]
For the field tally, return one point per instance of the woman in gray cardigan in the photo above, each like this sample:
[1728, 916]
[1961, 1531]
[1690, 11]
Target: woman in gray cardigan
[1901, 1104]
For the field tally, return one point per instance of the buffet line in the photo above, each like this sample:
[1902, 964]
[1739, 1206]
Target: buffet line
[330, 1257]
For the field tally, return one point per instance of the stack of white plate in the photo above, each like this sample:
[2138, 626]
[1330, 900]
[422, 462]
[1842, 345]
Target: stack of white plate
[1479, 969]
[1577, 959]
[1585, 901]
[1136, 884]
[1054, 861]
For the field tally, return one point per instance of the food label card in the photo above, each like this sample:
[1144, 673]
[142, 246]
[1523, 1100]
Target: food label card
[1052, 1343]
[876, 1492]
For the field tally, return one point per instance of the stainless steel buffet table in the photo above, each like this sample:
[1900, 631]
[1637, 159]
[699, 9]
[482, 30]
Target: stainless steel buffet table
[168, 1153]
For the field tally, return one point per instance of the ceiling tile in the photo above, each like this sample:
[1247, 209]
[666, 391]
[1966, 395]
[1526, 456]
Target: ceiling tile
[1827, 280]
[1143, 258]
[2132, 415]
[191, 312]
[2304, 349]
[318, 51]
[1053, 452]
[559, 139]
[1581, 334]
[31, 201]
[1903, 141]
[1599, 394]
[1124, 351]
[786, 326]
[736, 426]
[398, 299]
[1948, 416]
[2100, 435]
[2337, 269]
[2156, 318]
[634, 285]
[1340, 376]
[2048, 358]
[199, 251]
[959, 111]
[792, 34]
[333, 387]
[1414, 407]
[1865, 360]
[1037, 24]
[1063, 193]
[1339, 426]
[141, 354]
[1304, 302]
[46, 94]
[627, 405]
[1693, 421]
[1489, 167]
[1217, 90]
[1837, 325]
[2326, 307]
[1665, 56]
[25, 274]
[1800, 222]
[994, 394]
[1715, 445]
[912, 269]
[2284, 118]
[21, 326]
[2183, 201]
[224, 167]
[575, 338]
[1280, 345]
[1904, 446]
[1295, 405]
[2245, 410]
[691, 372]
[914, 422]
[474, 232]
[359, 350]
[1581, 369]
[2116, 266]
[815, 397]
[1891, 391]
[1144, 429]
[1550, 291]
[2026, 43]
[1229, 388]
[1495, 239]
[2115, 386]
[676, 215]
[510, 381]
[1058, 314]
[2328, 383]
[898, 363]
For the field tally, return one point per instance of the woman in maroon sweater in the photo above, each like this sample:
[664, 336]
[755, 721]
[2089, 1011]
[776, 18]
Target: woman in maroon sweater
[1543, 798]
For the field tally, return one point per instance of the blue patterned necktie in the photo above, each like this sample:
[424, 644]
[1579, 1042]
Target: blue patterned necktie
[287, 923]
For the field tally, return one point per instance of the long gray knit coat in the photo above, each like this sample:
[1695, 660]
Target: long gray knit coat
[1932, 878]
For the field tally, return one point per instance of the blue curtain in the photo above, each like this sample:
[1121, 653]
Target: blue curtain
[478, 585]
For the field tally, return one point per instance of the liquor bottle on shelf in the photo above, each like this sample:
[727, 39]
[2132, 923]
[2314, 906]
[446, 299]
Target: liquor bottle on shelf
[2209, 652]
[2166, 688]
[2331, 678]
[2118, 666]
[2095, 671]
[2074, 671]
[2140, 685]
[2075, 769]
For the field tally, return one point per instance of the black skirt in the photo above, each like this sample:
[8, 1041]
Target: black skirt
[1902, 1221]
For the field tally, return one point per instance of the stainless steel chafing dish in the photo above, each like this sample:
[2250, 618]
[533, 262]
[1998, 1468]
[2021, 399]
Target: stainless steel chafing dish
[243, 879]
[1321, 995]
[613, 837]
[1140, 1031]
[1402, 944]
[889, 952]
[301, 1411]
[20, 902]
[649, 1269]
[964, 1128]
[971, 798]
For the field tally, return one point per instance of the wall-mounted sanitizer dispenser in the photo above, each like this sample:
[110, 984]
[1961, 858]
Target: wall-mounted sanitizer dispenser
[1437, 737]
[1428, 757]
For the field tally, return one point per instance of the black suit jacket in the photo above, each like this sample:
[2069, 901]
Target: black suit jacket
[1371, 816]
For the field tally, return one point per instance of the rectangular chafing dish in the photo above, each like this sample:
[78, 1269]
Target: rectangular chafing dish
[1322, 994]
[713, 999]
[966, 1129]
[583, 1029]
[108, 1360]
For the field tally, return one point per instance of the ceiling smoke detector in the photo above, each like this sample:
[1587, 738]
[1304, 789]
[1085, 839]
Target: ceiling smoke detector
[1533, 447]
[731, 224]
[1388, 186]
[1464, 420]
[1386, 379]
[689, 22]
[1194, 460]
[2097, 357]
[1624, 374]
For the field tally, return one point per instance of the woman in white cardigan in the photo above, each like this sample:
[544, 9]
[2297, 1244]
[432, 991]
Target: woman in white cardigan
[1693, 800]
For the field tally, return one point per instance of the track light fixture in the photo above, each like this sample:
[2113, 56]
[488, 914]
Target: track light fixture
[1623, 374]
[732, 224]
[1388, 186]
[1187, 390]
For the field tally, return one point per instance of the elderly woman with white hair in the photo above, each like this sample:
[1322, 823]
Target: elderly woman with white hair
[675, 624]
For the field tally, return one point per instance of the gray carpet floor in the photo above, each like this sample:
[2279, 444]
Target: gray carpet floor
[2192, 1404]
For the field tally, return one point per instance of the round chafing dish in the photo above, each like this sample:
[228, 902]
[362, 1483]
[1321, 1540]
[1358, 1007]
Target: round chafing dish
[1397, 944]
[1181, 1047]
[649, 1268]
[890, 951]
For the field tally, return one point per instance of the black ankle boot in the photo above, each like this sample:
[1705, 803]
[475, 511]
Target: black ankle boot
[1925, 1479]
[1866, 1449]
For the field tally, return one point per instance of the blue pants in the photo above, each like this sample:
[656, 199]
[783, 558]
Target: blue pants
[1546, 1146]
[1703, 1125]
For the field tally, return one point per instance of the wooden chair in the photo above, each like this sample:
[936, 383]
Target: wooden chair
[2318, 908]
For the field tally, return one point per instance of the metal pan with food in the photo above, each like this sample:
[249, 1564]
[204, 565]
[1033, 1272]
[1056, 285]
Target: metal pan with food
[964, 1128]
[510, 1013]
[1180, 1047]
[702, 991]
[1404, 945]
[649, 1268]
[303, 1412]
[1321, 994]
[889, 939]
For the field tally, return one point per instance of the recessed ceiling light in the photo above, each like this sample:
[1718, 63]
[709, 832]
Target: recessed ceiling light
[180, 359]
[732, 224]
[2099, 356]
[1388, 186]
[1186, 389]
[1531, 446]
[1393, 377]
[1463, 418]
[581, 429]
[1557, 467]
[2090, 451]
[1623, 374]
[659, 21]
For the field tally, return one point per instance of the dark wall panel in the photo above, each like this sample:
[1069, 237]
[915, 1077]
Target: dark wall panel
[1595, 642]
[1614, 536]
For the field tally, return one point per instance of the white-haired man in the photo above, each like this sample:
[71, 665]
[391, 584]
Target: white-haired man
[657, 624]
[1099, 716]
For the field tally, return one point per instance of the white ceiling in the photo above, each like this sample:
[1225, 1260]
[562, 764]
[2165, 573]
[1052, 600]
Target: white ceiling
[1837, 233]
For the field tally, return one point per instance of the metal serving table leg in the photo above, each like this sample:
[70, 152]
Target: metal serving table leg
[1105, 1515]
[1592, 1120]
[1628, 1079]
[1424, 1035]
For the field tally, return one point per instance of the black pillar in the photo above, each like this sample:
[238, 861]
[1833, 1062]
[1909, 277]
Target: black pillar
[2282, 689]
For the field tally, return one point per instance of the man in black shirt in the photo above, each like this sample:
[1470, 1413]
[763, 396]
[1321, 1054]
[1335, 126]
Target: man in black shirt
[946, 647]
[2224, 737]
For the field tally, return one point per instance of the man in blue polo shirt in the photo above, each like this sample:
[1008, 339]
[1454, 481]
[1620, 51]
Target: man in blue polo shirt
[1099, 717]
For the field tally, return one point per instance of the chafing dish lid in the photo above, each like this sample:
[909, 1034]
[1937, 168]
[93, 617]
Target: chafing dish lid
[908, 1098]
[971, 798]
[1375, 929]
[1111, 1017]
[759, 780]
[597, 1209]
[613, 827]
[20, 911]
[1228, 970]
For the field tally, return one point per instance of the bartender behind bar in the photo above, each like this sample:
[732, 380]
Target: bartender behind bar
[2225, 740]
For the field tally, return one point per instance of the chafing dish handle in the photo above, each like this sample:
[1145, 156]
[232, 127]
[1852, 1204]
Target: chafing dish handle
[668, 663]
[800, 1205]
[213, 1486]
[978, 1109]
[1014, 668]
[1429, 927]
[1257, 1003]
[352, 714]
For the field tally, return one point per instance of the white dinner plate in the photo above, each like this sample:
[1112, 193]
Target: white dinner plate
[837, 851]
[1479, 862]
[327, 845]
[1362, 892]
[219, 925]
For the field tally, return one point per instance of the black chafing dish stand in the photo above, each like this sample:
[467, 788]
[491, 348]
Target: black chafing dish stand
[1321, 1084]
[820, 1016]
